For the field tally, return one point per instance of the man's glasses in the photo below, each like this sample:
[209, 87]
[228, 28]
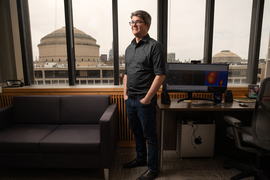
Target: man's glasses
[132, 23]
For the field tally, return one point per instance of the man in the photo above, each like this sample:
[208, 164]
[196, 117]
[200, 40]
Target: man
[144, 73]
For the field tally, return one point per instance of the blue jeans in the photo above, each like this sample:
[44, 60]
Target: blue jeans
[142, 122]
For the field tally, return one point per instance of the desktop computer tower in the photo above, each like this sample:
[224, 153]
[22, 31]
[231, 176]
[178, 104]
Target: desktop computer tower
[195, 138]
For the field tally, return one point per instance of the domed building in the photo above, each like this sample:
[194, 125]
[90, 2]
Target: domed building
[52, 67]
[226, 56]
[52, 49]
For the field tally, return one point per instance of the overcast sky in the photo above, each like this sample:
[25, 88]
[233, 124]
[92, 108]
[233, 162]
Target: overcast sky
[186, 24]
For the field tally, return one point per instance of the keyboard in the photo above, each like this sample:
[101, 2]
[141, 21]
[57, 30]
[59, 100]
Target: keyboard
[203, 104]
[210, 104]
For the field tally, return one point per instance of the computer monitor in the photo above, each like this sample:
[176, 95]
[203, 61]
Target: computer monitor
[199, 78]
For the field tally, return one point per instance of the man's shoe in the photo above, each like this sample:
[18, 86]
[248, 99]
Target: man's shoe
[134, 163]
[148, 175]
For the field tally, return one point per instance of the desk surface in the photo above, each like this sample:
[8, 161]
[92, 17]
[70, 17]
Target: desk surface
[191, 106]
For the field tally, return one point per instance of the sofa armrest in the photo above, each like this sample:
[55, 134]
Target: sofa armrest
[108, 134]
[6, 116]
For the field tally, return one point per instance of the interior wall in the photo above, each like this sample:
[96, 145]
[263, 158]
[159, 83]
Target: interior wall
[9, 46]
[16, 39]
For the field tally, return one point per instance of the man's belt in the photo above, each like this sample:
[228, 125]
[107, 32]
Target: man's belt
[135, 96]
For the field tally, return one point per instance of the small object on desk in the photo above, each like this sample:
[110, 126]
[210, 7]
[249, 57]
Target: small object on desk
[14, 83]
[189, 101]
[228, 96]
[217, 97]
[243, 105]
[244, 100]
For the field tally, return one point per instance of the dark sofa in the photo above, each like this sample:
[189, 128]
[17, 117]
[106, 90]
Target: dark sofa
[69, 131]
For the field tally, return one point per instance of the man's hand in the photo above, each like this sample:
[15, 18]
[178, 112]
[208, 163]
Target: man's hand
[144, 101]
[125, 97]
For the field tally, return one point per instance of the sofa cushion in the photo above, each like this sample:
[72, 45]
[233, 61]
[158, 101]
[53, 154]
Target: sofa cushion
[72, 138]
[21, 138]
[36, 109]
[85, 109]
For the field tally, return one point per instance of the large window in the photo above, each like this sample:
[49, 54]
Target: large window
[232, 22]
[47, 20]
[92, 36]
[186, 30]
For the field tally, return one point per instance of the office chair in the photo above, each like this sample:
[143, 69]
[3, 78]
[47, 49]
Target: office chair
[254, 139]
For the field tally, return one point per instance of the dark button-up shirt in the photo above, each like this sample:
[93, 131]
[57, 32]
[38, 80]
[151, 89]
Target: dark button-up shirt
[144, 60]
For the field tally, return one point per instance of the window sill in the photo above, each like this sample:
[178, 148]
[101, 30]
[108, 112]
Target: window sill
[88, 89]
[59, 89]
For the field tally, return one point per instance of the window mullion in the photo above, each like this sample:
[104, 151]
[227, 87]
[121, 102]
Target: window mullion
[26, 45]
[115, 42]
[70, 42]
[208, 35]
[255, 35]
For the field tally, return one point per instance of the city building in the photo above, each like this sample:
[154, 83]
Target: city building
[237, 67]
[110, 55]
[84, 75]
[52, 49]
[52, 67]
[171, 57]
[226, 56]
[103, 57]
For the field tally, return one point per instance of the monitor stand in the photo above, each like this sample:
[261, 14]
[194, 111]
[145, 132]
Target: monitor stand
[191, 98]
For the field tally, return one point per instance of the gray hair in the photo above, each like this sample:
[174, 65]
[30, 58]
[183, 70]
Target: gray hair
[142, 14]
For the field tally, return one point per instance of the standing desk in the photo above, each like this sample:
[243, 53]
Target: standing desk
[188, 107]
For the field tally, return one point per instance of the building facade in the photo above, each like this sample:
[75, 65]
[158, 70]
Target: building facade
[52, 67]
[52, 49]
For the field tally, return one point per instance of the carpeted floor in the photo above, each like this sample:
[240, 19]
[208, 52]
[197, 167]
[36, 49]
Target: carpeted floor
[173, 169]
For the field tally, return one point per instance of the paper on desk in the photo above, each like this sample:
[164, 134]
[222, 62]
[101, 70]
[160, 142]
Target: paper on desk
[244, 100]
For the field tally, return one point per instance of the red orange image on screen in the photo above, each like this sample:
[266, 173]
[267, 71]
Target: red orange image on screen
[221, 82]
[211, 77]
